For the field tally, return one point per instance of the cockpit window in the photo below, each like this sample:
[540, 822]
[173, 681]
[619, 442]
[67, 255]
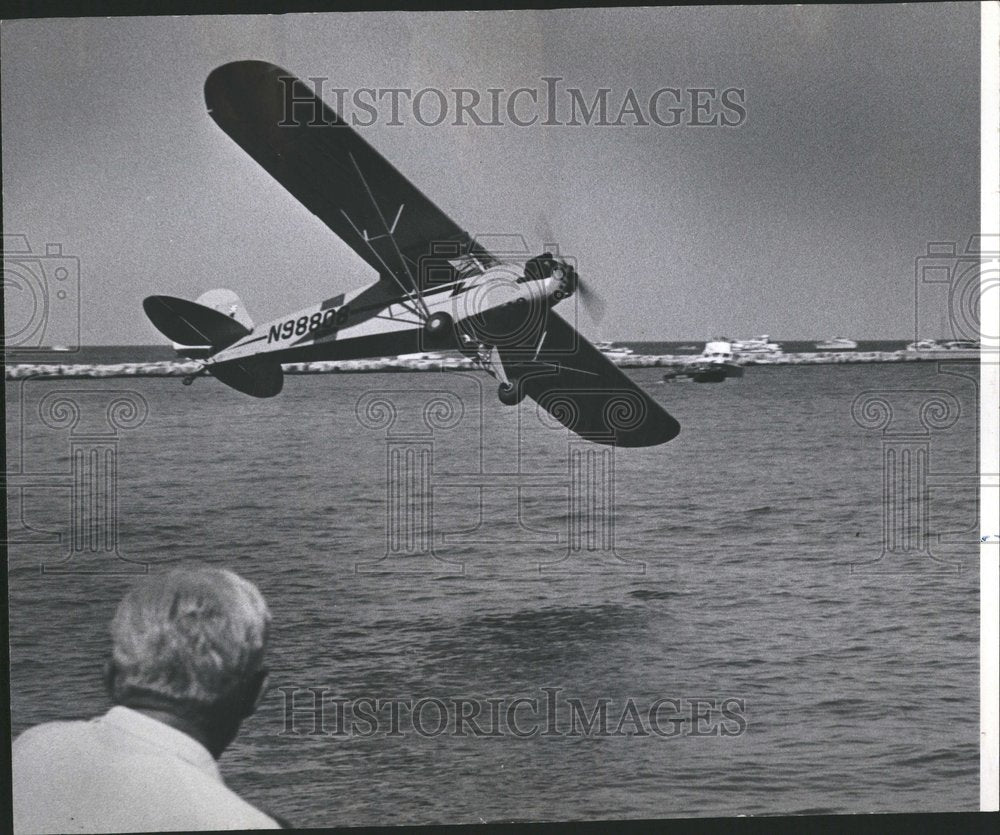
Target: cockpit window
[466, 266]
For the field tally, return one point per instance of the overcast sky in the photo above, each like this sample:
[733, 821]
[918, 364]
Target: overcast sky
[860, 145]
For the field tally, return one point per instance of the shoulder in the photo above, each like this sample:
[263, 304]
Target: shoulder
[228, 810]
[211, 802]
[47, 734]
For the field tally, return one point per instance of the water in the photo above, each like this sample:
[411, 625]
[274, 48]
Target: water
[860, 687]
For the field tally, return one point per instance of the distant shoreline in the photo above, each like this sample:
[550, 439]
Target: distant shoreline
[457, 363]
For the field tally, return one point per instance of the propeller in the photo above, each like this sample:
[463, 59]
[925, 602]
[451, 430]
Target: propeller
[591, 300]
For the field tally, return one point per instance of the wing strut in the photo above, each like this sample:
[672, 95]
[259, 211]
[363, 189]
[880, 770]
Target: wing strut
[413, 294]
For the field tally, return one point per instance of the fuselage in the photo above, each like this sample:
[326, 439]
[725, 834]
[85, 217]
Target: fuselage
[379, 320]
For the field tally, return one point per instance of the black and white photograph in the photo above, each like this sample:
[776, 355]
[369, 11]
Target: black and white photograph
[501, 416]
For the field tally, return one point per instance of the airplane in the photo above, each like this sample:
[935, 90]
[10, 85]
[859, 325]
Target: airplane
[437, 287]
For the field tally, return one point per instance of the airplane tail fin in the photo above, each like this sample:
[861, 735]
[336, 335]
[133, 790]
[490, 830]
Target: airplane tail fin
[199, 329]
[203, 328]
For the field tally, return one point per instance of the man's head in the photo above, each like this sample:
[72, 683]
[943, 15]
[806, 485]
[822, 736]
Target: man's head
[191, 643]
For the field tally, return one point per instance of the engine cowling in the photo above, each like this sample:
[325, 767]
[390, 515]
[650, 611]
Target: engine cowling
[546, 266]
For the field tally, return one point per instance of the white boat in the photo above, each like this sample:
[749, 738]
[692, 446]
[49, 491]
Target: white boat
[718, 354]
[422, 359]
[838, 343]
[609, 349]
[756, 345]
[950, 347]
[715, 363]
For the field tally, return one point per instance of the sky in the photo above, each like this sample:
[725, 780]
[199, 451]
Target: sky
[858, 148]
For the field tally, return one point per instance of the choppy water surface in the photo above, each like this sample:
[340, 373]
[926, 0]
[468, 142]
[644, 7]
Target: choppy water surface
[859, 686]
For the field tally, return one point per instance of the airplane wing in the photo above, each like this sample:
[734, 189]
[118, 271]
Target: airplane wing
[336, 174]
[587, 393]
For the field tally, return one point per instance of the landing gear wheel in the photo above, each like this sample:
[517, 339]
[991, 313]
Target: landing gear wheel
[188, 379]
[510, 394]
[439, 329]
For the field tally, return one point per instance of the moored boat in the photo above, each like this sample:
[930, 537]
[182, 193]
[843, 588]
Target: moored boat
[952, 349]
[609, 349]
[757, 345]
[838, 343]
[715, 363]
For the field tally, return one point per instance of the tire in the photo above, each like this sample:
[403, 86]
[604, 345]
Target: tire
[439, 330]
[510, 395]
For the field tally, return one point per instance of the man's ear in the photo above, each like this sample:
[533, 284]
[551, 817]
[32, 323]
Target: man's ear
[110, 677]
[255, 691]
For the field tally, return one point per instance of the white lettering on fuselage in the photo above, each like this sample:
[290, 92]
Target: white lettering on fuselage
[320, 320]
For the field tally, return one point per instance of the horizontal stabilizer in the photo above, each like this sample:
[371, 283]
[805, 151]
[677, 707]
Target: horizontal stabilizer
[189, 323]
[256, 376]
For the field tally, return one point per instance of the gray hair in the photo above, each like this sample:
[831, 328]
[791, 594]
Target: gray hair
[189, 636]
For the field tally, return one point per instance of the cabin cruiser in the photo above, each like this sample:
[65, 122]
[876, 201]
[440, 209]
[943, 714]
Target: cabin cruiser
[718, 355]
[756, 345]
[838, 343]
[609, 349]
[715, 363]
[928, 345]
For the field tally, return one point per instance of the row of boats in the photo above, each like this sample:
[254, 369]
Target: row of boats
[763, 345]
[723, 358]
[720, 359]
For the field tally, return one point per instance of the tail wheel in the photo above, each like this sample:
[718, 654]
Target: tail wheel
[510, 394]
[439, 329]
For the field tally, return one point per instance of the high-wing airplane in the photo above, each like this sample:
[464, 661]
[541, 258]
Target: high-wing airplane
[437, 287]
